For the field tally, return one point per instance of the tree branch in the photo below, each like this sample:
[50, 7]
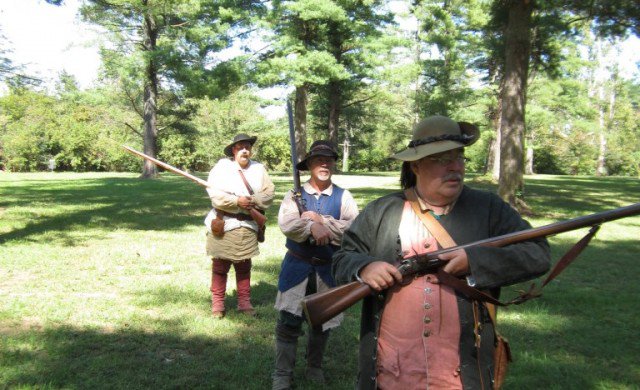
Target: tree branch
[134, 130]
[357, 102]
[133, 103]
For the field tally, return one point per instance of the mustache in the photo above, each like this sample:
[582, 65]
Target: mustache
[452, 176]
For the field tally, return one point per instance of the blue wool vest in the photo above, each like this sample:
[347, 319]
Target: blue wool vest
[294, 268]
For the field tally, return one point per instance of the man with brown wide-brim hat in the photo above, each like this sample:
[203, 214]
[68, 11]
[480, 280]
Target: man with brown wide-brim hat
[429, 335]
[238, 186]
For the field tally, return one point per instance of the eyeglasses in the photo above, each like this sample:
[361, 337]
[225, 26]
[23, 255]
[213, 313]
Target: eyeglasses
[448, 159]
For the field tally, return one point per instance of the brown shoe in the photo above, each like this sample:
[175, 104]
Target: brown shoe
[248, 312]
[218, 315]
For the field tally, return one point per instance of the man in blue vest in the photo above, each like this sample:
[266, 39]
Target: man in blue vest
[313, 235]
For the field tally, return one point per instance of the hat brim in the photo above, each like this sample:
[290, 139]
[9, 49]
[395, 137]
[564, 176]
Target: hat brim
[303, 165]
[418, 152]
[227, 149]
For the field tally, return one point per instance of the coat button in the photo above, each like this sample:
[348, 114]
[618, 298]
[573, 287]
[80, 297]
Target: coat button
[427, 305]
[428, 290]
[427, 319]
[426, 333]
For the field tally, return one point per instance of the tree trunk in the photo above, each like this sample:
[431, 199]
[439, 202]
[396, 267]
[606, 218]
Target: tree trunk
[345, 152]
[300, 120]
[513, 96]
[528, 166]
[601, 168]
[150, 98]
[335, 103]
[493, 160]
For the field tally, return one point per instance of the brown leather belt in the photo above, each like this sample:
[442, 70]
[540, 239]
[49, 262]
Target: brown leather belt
[312, 261]
[238, 216]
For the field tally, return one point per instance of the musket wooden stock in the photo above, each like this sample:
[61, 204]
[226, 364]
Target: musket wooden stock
[256, 215]
[321, 307]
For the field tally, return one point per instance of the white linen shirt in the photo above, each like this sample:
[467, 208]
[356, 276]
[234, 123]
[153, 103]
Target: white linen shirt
[226, 186]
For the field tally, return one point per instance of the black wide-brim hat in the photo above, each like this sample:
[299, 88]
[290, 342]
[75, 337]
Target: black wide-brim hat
[438, 134]
[238, 138]
[318, 148]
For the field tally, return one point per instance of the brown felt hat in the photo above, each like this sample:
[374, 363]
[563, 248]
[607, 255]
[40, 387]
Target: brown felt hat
[437, 134]
[318, 148]
[238, 138]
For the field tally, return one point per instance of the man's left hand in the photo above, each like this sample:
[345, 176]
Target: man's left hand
[457, 262]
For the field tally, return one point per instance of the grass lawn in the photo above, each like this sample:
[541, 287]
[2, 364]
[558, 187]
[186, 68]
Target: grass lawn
[104, 283]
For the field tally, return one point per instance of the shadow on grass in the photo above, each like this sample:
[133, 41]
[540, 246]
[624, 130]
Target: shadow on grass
[237, 353]
[262, 297]
[83, 358]
[595, 302]
[166, 204]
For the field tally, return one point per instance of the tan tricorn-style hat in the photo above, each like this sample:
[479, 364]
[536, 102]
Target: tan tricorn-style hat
[238, 138]
[318, 148]
[437, 134]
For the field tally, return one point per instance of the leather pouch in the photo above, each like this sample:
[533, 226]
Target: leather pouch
[501, 360]
[217, 226]
[261, 231]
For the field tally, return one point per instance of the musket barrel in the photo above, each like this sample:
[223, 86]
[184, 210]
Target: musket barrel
[321, 307]
[256, 215]
[555, 228]
[167, 166]
[294, 153]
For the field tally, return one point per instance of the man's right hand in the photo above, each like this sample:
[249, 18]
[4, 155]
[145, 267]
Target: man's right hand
[380, 275]
[320, 233]
[245, 202]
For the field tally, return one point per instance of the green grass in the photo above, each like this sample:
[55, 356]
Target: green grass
[104, 283]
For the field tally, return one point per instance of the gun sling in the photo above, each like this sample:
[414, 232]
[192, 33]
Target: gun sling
[254, 211]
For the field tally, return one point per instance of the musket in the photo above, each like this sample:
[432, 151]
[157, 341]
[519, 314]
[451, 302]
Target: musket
[296, 192]
[256, 215]
[321, 307]
[297, 187]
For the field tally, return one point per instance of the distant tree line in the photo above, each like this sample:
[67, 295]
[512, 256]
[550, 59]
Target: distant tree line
[537, 76]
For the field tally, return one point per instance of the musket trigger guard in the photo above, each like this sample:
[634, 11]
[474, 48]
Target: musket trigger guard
[407, 268]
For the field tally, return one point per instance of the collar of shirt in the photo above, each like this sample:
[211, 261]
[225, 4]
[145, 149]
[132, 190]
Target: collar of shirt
[233, 164]
[425, 206]
[312, 191]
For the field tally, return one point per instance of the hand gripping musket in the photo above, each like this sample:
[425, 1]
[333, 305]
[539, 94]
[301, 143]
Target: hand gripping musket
[256, 215]
[321, 307]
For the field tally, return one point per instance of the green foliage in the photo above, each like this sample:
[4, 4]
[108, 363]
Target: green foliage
[218, 121]
[369, 160]
[356, 62]
[274, 149]
[449, 42]
[177, 150]
[80, 130]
